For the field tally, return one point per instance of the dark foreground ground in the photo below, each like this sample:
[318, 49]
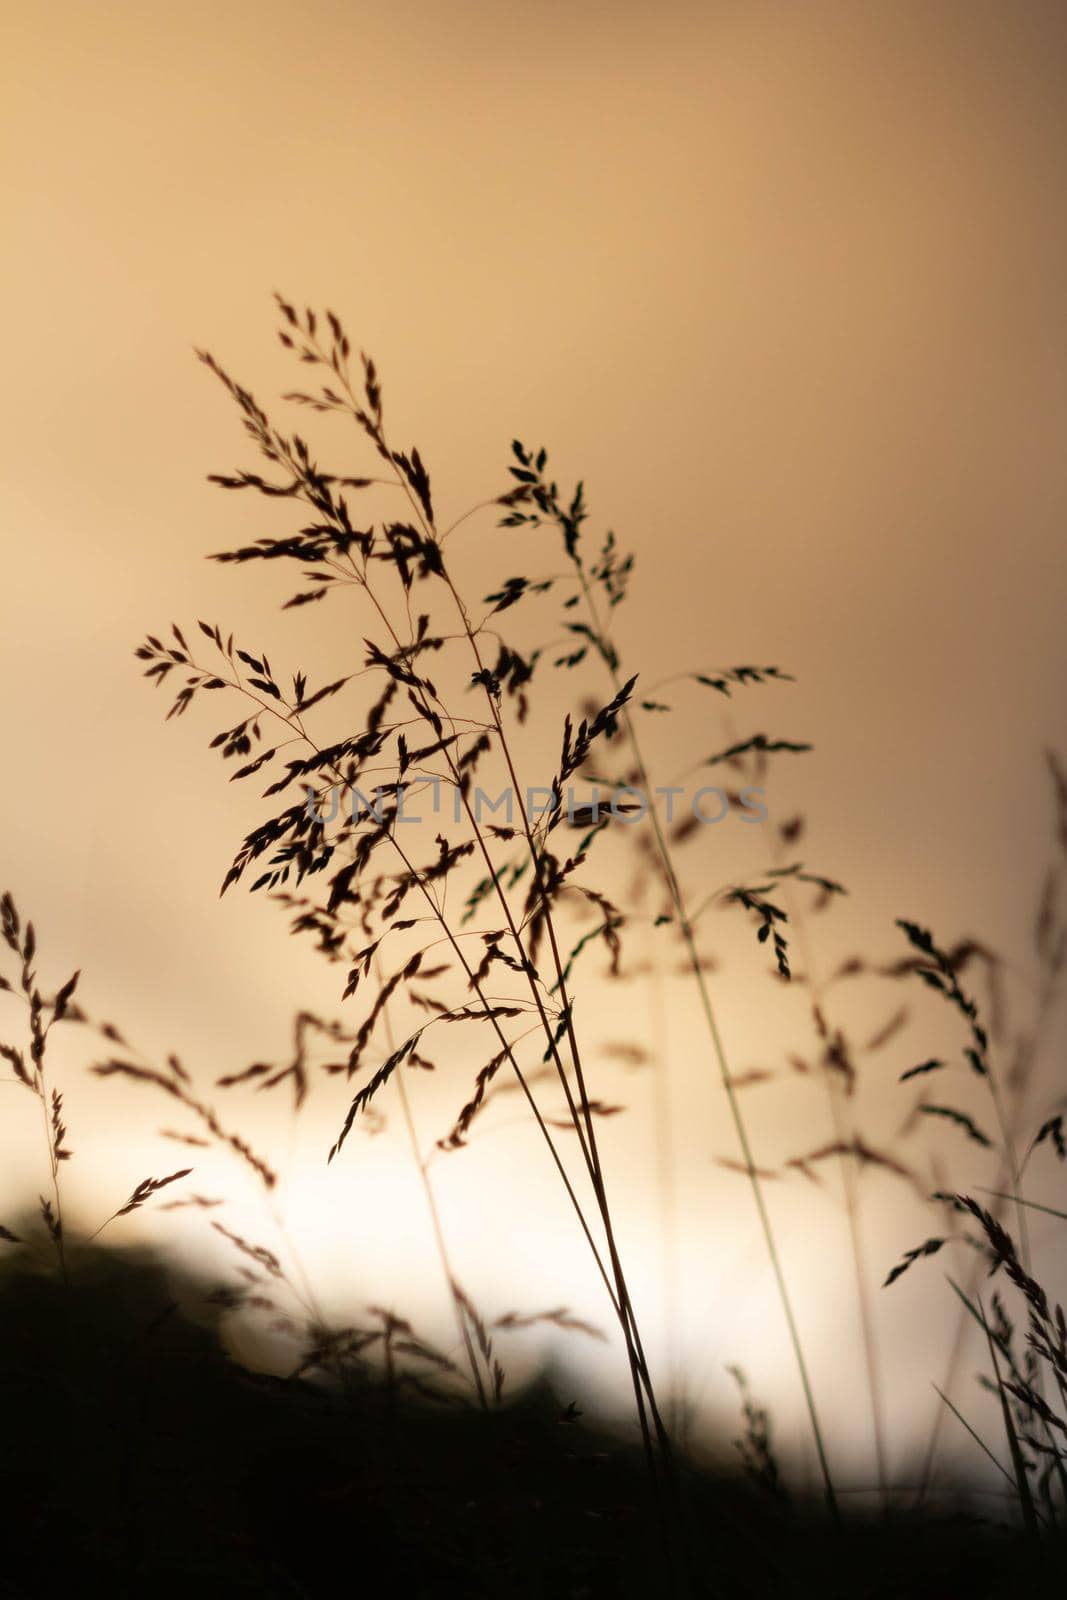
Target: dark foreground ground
[135, 1459]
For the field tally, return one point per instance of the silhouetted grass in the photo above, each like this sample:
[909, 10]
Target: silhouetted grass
[139, 1458]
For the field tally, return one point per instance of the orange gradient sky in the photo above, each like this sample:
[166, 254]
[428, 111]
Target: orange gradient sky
[783, 284]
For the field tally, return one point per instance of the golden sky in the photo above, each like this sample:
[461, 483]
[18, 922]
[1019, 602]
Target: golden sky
[782, 282]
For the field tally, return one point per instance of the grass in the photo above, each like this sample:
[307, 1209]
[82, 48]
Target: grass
[483, 931]
[610, 575]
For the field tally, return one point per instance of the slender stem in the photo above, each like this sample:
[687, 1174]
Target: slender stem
[977, 1438]
[642, 1384]
[667, 1166]
[843, 1129]
[596, 1172]
[1022, 1482]
[435, 1217]
[670, 877]
[1008, 1174]
[58, 1235]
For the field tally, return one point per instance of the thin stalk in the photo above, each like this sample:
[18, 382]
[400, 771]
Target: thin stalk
[677, 899]
[435, 1217]
[641, 1378]
[58, 1236]
[1022, 1482]
[850, 1186]
[666, 1162]
[1020, 1379]
[1008, 1173]
[589, 1144]
[976, 1437]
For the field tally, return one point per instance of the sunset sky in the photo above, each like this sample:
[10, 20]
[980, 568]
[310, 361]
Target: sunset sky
[782, 284]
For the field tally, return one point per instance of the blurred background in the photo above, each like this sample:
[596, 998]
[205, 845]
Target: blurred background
[781, 283]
